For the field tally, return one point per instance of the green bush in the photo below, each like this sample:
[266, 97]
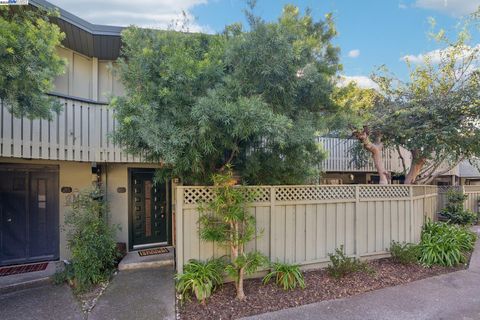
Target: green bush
[445, 244]
[200, 279]
[65, 275]
[455, 212]
[404, 253]
[287, 276]
[341, 264]
[90, 239]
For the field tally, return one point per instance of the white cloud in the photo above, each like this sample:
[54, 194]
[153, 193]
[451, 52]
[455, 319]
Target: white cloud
[452, 7]
[402, 6]
[435, 56]
[354, 53]
[148, 13]
[361, 81]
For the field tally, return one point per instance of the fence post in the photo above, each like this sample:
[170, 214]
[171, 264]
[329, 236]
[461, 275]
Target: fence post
[412, 216]
[272, 222]
[179, 229]
[355, 221]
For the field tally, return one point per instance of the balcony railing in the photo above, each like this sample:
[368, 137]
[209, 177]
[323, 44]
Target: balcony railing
[339, 157]
[80, 132]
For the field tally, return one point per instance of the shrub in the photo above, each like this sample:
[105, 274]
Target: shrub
[404, 253]
[445, 244]
[455, 212]
[200, 278]
[65, 275]
[91, 240]
[287, 276]
[341, 264]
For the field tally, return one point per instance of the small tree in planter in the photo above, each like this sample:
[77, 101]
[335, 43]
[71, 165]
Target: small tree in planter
[226, 221]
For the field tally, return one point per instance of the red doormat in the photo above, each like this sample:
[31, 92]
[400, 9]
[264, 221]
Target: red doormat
[151, 252]
[7, 271]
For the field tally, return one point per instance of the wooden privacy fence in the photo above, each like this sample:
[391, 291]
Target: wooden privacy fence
[303, 224]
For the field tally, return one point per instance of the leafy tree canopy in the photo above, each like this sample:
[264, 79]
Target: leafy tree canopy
[435, 114]
[253, 99]
[28, 60]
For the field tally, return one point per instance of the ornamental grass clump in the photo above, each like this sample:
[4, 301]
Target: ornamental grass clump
[200, 279]
[445, 244]
[288, 276]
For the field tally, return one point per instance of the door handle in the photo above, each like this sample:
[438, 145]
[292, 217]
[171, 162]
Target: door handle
[9, 220]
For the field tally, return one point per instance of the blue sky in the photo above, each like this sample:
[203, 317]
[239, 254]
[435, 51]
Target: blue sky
[371, 32]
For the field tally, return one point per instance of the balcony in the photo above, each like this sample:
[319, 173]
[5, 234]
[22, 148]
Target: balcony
[80, 132]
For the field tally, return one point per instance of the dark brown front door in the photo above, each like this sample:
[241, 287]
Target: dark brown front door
[28, 214]
[148, 209]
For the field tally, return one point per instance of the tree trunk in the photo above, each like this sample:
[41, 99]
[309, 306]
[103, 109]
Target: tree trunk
[240, 293]
[415, 168]
[376, 150]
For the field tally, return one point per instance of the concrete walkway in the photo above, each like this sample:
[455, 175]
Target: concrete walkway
[138, 294]
[44, 302]
[450, 296]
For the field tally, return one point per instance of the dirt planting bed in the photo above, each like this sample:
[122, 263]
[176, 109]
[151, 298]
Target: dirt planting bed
[266, 298]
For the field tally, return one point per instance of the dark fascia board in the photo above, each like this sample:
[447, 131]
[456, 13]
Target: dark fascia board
[94, 29]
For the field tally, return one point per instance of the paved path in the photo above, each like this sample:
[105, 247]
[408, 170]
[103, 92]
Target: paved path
[132, 295]
[453, 296]
[45, 302]
[138, 294]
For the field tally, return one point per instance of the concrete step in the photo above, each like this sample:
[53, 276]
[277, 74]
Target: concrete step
[133, 261]
[28, 280]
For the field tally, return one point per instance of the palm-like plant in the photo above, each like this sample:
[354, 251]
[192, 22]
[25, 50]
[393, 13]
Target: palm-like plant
[200, 278]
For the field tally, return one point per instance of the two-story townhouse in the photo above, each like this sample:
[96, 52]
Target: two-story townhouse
[45, 164]
[339, 167]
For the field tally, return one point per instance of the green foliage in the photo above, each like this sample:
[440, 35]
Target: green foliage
[455, 211]
[65, 275]
[248, 263]
[445, 244]
[288, 276]
[29, 61]
[200, 279]
[252, 98]
[226, 220]
[433, 115]
[342, 265]
[404, 253]
[91, 239]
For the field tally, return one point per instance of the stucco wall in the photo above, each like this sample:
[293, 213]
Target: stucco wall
[78, 176]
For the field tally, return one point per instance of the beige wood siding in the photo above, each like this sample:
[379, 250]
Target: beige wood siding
[87, 78]
[303, 224]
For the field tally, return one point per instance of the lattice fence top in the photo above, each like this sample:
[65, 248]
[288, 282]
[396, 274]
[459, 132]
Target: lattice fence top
[445, 189]
[293, 193]
[196, 195]
[379, 192]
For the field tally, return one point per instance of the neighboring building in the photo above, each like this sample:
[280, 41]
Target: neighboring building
[44, 164]
[339, 167]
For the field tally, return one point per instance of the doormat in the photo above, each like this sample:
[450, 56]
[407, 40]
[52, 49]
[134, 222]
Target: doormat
[151, 252]
[8, 271]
